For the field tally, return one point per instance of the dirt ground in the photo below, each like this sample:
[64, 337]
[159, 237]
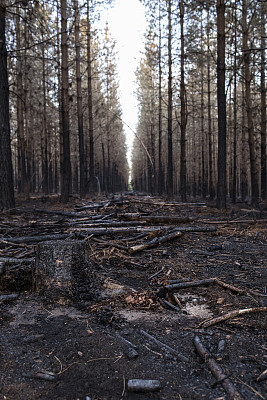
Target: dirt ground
[91, 345]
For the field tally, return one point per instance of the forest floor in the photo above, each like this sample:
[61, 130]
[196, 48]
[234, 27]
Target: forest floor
[119, 327]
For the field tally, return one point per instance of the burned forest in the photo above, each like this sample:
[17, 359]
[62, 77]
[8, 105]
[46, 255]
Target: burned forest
[133, 297]
[133, 234]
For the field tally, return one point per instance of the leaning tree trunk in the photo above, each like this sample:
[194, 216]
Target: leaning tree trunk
[221, 99]
[7, 199]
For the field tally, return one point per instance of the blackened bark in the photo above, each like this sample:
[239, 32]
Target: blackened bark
[263, 103]
[221, 99]
[183, 112]
[170, 147]
[7, 199]
[66, 163]
[251, 139]
[160, 169]
[92, 180]
[79, 100]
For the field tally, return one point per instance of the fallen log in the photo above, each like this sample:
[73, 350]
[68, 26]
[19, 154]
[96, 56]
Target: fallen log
[5, 298]
[182, 285]
[169, 305]
[262, 376]
[15, 260]
[34, 239]
[231, 314]
[164, 346]
[230, 287]
[216, 370]
[54, 212]
[154, 242]
[158, 219]
[104, 242]
[112, 231]
[142, 385]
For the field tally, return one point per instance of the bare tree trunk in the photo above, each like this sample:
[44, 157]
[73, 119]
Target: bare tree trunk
[20, 111]
[79, 100]
[183, 112]
[203, 133]
[263, 103]
[251, 139]
[66, 163]
[170, 144]
[211, 189]
[244, 182]
[7, 199]
[92, 186]
[45, 131]
[234, 183]
[221, 98]
[58, 186]
[160, 169]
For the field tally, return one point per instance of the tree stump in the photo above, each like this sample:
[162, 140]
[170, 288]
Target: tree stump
[64, 271]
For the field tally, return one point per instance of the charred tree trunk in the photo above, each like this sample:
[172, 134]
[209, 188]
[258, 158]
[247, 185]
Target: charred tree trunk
[183, 111]
[6, 176]
[20, 112]
[170, 144]
[92, 186]
[160, 169]
[66, 163]
[251, 138]
[221, 99]
[263, 103]
[79, 100]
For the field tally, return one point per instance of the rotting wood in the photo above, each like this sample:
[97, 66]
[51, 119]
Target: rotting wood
[231, 314]
[216, 370]
[164, 346]
[154, 242]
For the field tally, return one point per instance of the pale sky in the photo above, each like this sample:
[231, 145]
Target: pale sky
[127, 24]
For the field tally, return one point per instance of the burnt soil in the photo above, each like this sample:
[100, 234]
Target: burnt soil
[79, 344]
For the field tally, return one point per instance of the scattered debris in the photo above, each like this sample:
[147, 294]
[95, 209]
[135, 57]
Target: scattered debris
[216, 370]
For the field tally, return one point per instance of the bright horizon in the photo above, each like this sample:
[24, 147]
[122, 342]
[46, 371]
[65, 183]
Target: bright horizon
[127, 24]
